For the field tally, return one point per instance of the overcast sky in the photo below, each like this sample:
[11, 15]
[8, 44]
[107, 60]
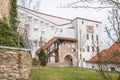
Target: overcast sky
[51, 7]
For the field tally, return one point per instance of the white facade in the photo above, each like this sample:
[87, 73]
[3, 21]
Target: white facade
[106, 66]
[88, 41]
[43, 27]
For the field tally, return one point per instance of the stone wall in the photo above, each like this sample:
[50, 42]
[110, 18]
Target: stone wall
[63, 52]
[4, 8]
[15, 64]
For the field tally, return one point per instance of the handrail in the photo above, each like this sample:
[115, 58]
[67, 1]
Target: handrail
[18, 39]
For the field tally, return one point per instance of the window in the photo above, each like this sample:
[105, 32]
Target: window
[83, 59]
[57, 29]
[93, 67]
[46, 23]
[88, 49]
[29, 18]
[97, 37]
[41, 23]
[52, 27]
[35, 29]
[93, 49]
[74, 50]
[83, 50]
[112, 68]
[82, 22]
[92, 37]
[26, 26]
[42, 33]
[36, 21]
[61, 30]
[19, 22]
[22, 14]
[96, 25]
[87, 36]
[97, 49]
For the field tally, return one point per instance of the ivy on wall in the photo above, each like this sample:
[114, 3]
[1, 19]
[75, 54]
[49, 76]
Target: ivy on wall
[13, 13]
[8, 32]
[9, 36]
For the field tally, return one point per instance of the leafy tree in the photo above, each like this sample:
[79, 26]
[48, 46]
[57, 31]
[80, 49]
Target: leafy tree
[42, 58]
[101, 4]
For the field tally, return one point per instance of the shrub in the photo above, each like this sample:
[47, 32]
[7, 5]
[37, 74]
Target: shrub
[42, 58]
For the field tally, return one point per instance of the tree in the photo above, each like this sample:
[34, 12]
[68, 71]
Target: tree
[30, 4]
[101, 4]
[113, 33]
[42, 58]
[81, 45]
[112, 30]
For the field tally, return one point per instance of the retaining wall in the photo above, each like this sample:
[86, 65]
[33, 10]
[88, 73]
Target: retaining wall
[14, 64]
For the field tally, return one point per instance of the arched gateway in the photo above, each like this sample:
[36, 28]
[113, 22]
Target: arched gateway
[68, 60]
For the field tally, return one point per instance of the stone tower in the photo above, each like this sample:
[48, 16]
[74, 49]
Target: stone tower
[4, 8]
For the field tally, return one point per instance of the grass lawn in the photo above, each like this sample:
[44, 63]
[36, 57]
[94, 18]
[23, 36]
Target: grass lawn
[65, 73]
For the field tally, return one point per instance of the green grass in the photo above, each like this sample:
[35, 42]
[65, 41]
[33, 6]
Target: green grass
[65, 73]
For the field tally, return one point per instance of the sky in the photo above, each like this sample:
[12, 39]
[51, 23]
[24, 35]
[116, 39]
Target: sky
[52, 7]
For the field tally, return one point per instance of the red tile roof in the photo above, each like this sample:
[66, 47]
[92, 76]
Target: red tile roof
[110, 55]
[53, 40]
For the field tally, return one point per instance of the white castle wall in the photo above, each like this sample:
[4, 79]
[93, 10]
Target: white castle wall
[42, 27]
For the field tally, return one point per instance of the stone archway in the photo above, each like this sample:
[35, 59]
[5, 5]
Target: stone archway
[68, 60]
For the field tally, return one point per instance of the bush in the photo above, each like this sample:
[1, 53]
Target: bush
[42, 58]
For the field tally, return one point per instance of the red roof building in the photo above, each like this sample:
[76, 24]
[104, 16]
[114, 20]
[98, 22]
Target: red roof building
[110, 55]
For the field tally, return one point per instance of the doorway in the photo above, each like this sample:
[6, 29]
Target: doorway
[68, 60]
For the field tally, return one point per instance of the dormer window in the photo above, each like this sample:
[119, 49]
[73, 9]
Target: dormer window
[96, 25]
[87, 36]
[41, 23]
[82, 22]
[35, 29]
[22, 14]
[61, 30]
[57, 29]
[36, 21]
[29, 18]
[53, 27]
[46, 24]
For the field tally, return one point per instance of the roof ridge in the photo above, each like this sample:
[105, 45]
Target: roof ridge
[88, 20]
[60, 17]
[44, 13]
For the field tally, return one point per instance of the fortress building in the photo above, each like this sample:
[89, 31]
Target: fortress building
[65, 41]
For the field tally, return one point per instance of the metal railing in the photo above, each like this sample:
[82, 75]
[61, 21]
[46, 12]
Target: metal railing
[17, 38]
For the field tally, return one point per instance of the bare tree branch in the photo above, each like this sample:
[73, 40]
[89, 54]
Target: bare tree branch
[85, 4]
[31, 4]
